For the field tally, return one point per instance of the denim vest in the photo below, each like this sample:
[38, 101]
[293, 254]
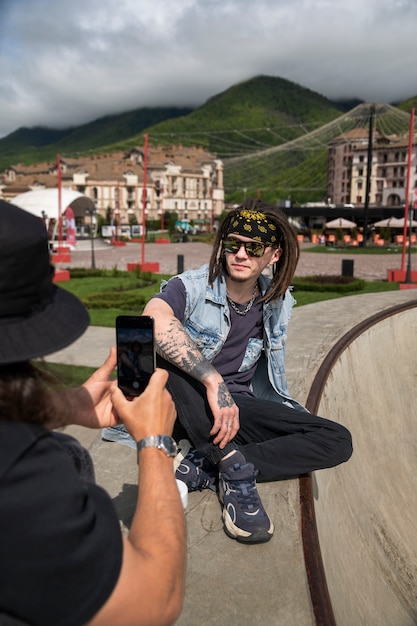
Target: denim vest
[207, 322]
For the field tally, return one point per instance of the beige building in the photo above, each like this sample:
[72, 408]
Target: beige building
[184, 180]
[348, 165]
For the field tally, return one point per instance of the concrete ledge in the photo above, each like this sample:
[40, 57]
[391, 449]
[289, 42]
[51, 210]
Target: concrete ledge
[365, 509]
[227, 583]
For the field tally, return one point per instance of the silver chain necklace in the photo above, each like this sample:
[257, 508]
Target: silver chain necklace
[247, 307]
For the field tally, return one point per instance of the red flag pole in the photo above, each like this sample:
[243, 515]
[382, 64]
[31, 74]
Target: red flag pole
[59, 175]
[62, 253]
[144, 267]
[144, 195]
[162, 212]
[117, 212]
[407, 188]
[211, 210]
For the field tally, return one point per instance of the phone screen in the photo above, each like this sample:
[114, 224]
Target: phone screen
[135, 353]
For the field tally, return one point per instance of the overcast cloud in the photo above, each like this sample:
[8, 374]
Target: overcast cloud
[66, 62]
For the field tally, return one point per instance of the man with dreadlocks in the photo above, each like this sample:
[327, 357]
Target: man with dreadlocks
[221, 331]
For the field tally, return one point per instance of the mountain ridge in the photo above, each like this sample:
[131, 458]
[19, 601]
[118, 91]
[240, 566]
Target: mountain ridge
[248, 117]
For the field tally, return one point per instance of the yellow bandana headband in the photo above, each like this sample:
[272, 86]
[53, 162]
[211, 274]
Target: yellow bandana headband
[254, 224]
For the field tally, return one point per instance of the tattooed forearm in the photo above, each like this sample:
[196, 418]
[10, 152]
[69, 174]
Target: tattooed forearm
[174, 345]
[223, 396]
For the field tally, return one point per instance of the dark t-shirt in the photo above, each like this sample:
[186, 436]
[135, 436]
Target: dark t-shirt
[60, 540]
[243, 327]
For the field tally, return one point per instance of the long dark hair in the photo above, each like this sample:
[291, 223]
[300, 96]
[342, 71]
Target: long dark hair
[282, 272]
[26, 395]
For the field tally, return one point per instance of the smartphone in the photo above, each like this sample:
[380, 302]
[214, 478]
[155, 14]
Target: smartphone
[135, 352]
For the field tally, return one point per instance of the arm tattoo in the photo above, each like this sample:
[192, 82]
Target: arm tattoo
[175, 346]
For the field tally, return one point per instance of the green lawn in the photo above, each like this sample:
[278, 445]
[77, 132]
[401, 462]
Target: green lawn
[121, 286]
[86, 287]
[308, 297]
[369, 249]
[71, 375]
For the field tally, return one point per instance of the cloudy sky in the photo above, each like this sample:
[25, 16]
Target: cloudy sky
[67, 62]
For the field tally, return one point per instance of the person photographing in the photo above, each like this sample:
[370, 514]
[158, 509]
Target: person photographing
[63, 558]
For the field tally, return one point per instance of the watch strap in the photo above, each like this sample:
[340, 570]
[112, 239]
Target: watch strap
[165, 443]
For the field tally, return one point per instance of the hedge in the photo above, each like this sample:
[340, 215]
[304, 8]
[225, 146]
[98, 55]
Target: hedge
[338, 284]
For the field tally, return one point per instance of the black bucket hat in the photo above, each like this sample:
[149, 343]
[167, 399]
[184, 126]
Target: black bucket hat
[36, 316]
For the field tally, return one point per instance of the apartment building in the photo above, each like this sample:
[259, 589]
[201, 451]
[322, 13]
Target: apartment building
[348, 169]
[184, 180]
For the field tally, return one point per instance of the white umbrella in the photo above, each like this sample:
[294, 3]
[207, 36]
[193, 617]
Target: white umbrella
[388, 221]
[294, 223]
[340, 222]
[394, 222]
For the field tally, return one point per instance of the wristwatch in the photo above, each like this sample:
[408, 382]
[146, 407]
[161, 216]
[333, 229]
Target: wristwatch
[162, 442]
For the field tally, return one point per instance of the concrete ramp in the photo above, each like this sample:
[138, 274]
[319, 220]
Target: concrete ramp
[366, 509]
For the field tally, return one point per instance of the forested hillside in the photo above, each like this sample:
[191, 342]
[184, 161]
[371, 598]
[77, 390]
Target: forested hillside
[271, 133]
[30, 145]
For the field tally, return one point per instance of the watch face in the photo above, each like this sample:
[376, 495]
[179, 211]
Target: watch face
[169, 445]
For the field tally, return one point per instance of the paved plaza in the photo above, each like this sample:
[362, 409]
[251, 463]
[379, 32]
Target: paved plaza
[190, 255]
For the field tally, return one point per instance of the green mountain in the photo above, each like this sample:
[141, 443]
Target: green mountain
[31, 145]
[407, 105]
[35, 137]
[347, 105]
[258, 113]
[271, 133]
[297, 169]
[251, 118]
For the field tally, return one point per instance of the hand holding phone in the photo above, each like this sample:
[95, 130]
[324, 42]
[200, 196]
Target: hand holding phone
[151, 413]
[135, 352]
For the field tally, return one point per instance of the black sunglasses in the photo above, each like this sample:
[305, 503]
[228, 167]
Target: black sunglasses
[252, 248]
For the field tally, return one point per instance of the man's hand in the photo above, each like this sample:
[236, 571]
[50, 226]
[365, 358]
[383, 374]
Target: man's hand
[151, 413]
[91, 404]
[225, 412]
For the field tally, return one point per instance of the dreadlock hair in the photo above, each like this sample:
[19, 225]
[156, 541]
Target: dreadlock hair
[282, 272]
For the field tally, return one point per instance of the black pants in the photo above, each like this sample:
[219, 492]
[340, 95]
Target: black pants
[280, 441]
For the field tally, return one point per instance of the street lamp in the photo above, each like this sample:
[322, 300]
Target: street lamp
[408, 279]
[92, 214]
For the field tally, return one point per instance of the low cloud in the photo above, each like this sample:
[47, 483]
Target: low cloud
[69, 62]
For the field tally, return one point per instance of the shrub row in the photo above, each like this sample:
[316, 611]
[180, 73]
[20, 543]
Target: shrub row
[125, 300]
[85, 272]
[120, 297]
[338, 284]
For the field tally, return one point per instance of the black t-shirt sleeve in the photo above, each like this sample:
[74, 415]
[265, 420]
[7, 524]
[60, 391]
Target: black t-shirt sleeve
[60, 540]
[173, 293]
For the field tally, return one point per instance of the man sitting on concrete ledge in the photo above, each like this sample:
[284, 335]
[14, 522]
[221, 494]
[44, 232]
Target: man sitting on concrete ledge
[221, 333]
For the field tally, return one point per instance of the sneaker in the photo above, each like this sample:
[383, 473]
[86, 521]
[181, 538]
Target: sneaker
[193, 469]
[244, 517]
[118, 434]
